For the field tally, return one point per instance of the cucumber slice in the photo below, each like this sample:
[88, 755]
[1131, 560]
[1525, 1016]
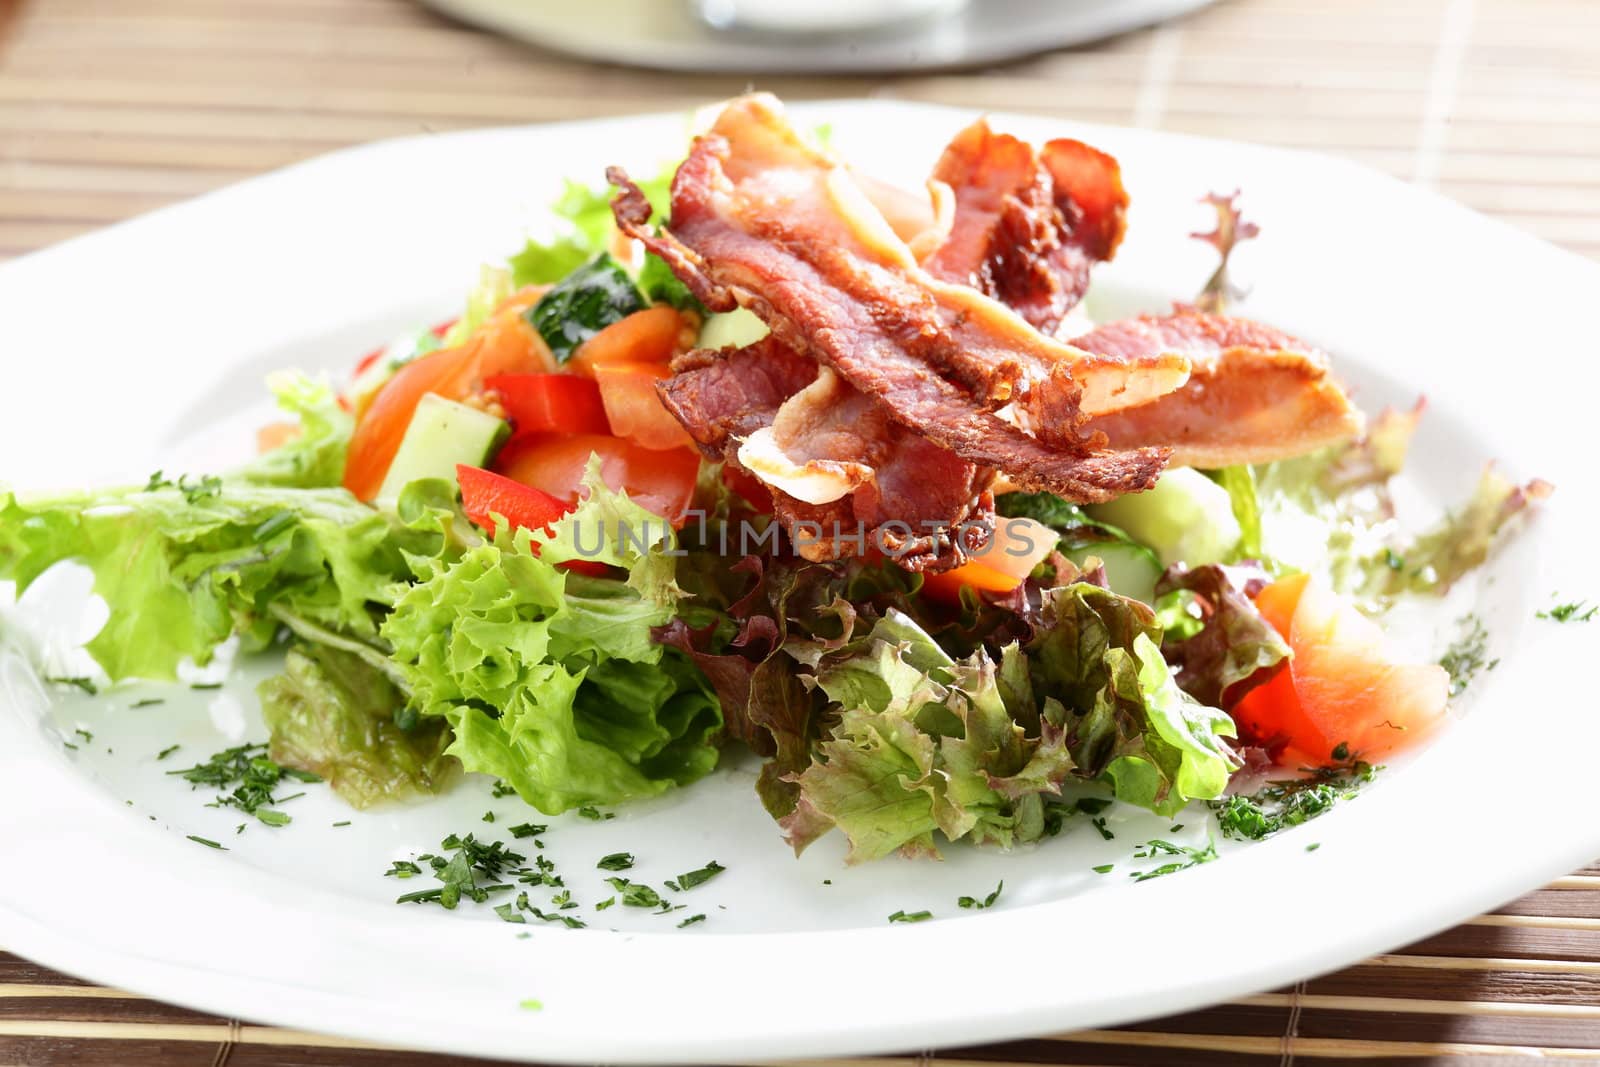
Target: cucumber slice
[1186, 517]
[1131, 569]
[441, 434]
[731, 329]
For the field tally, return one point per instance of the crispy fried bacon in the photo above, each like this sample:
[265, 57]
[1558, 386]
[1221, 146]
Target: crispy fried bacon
[762, 220]
[1255, 393]
[1028, 226]
[843, 474]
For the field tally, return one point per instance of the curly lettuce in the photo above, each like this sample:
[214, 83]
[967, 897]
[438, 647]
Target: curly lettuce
[182, 567]
[333, 713]
[315, 457]
[549, 679]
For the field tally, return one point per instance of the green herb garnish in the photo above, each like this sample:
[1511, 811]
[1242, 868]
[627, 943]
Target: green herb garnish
[206, 841]
[1468, 655]
[1190, 857]
[910, 916]
[691, 920]
[616, 861]
[986, 902]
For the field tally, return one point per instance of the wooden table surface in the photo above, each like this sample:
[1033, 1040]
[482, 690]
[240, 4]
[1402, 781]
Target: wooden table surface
[112, 107]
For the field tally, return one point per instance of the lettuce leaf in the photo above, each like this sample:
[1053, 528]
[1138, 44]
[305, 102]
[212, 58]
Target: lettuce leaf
[550, 680]
[183, 567]
[315, 458]
[587, 231]
[333, 714]
[1331, 513]
[1234, 648]
[923, 743]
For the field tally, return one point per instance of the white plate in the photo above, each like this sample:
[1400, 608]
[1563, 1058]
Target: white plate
[121, 347]
[668, 35]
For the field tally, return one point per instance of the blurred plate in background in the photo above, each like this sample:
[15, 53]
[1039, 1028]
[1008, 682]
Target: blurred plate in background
[671, 34]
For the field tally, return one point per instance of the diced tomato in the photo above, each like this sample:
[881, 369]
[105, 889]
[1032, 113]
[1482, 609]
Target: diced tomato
[1343, 689]
[485, 494]
[1017, 547]
[634, 408]
[506, 344]
[276, 435]
[550, 403]
[649, 336]
[661, 481]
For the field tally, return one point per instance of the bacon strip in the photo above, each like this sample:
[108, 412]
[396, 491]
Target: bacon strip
[761, 219]
[900, 492]
[1255, 393]
[1028, 226]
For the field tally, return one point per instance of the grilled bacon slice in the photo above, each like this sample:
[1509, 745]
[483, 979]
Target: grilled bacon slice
[1254, 394]
[1028, 226]
[761, 219]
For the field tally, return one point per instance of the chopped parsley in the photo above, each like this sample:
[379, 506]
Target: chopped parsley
[1104, 868]
[169, 750]
[528, 829]
[252, 778]
[509, 913]
[636, 894]
[910, 916]
[1313, 846]
[691, 920]
[606, 903]
[488, 816]
[1468, 655]
[1282, 804]
[501, 789]
[345, 822]
[1188, 857]
[1100, 824]
[986, 902]
[589, 811]
[694, 878]
[86, 684]
[147, 702]
[88, 738]
[473, 870]
[206, 841]
[616, 861]
[1575, 611]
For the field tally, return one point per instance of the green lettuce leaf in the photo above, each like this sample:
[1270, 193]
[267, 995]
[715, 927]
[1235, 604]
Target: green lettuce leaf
[333, 714]
[1097, 653]
[315, 458]
[587, 230]
[923, 743]
[550, 680]
[183, 567]
[1331, 513]
[1234, 648]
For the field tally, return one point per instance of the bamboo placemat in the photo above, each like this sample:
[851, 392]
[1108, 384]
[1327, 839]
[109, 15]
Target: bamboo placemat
[112, 107]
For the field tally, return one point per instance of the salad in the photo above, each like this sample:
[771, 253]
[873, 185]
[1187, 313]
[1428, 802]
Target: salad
[765, 453]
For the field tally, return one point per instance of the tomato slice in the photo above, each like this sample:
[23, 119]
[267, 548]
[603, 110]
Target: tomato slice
[550, 403]
[634, 408]
[506, 344]
[649, 336]
[1343, 690]
[1018, 545]
[946, 586]
[661, 481]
